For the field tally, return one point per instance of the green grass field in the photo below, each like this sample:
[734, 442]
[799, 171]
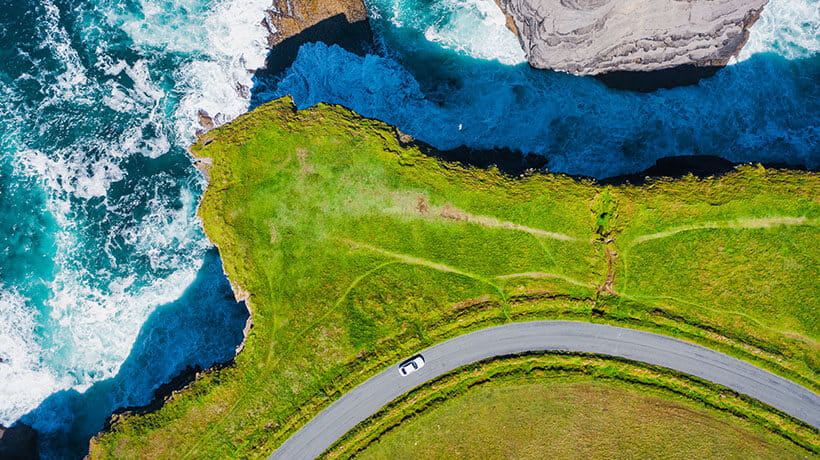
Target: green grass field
[356, 250]
[572, 420]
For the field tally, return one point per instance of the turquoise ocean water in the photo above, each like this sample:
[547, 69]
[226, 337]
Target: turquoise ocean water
[108, 287]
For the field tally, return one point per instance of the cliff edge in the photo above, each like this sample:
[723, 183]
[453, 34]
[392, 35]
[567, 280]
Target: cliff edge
[288, 18]
[292, 23]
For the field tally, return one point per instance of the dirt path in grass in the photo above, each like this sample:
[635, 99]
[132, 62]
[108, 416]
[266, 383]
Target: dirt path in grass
[543, 275]
[419, 206]
[412, 260]
[750, 223]
[449, 212]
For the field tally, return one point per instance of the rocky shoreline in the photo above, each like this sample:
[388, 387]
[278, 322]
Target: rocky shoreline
[292, 23]
[18, 442]
[515, 163]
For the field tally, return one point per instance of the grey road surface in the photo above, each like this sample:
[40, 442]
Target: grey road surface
[364, 400]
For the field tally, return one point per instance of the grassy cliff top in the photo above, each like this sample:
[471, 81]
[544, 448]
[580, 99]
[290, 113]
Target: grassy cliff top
[355, 250]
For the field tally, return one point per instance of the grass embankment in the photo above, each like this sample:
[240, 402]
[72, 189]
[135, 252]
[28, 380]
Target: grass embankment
[587, 420]
[566, 406]
[358, 251]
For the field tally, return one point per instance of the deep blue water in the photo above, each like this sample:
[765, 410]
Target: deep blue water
[199, 329]
[108, 286]
[764, 108]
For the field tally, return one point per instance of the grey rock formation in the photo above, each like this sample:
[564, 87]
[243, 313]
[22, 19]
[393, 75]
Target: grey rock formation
[590, 37]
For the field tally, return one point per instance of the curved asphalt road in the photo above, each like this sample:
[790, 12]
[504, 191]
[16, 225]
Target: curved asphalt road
[367, 398]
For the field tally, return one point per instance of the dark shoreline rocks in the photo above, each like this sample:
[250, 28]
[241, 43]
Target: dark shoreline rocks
[645, 82]
[165, 392]
[592, 37]
[508, 161]
[19, 442]
[683, 165]
[516, 163]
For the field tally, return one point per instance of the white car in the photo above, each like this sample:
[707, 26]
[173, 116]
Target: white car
[411, 365]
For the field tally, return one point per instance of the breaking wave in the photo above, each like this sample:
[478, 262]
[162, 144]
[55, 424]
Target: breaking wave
[98, 223]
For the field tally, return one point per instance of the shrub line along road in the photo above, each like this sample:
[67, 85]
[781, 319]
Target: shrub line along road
[366, 399]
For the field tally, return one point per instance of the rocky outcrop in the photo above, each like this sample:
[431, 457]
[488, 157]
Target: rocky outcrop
[290, 17]
[18, 442]
[590, 37]
[292, 23]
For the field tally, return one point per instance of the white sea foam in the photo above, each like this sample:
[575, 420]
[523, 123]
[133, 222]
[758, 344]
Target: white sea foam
[171, 26]
[73, 79]
[477, 29]
[24, 381]
[90, 327]
[98, 327]
[229, 41]
[220, 85]
[142, 94]
[94, 314]
[789, 28]
[72, 173]
[175, 226]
